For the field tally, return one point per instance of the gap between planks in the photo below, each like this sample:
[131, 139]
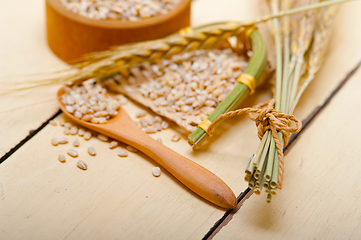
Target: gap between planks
[31, 134]
[243, 196]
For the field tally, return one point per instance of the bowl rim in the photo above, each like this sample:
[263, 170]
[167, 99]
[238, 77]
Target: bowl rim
[61, 9]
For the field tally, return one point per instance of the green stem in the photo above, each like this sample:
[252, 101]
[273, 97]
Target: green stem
[274, 178]
[262, 158]
[239, 93]
[296, 79]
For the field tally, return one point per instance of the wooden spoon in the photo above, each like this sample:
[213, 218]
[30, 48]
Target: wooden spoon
[195, 177]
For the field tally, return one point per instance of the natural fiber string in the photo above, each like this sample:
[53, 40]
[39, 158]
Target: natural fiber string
[267, 118]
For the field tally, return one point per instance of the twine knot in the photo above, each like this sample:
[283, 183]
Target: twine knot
[267, 118]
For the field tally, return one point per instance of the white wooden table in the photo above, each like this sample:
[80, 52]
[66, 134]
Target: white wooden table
[116, 198]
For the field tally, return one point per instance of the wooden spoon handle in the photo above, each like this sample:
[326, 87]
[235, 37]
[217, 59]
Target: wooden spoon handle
[195, 177]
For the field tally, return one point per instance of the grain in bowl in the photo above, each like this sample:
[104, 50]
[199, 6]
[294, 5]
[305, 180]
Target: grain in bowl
[125, 10]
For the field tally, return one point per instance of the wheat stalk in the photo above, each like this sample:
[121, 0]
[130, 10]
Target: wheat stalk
[326, 18]
[302, 54]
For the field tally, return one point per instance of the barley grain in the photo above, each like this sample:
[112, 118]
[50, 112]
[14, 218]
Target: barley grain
[82, 165]
[87, 135]
[62, 122]
[78, 114]
[72, 153]
[143, 122]
[113, 144]
[76, 142]
[63, 140]
[159, 140]
[102, 138]
[123, 154]
[54, 141]
[156, 171]
[157, 119]
[81, 132]
[140, 113]
[158, 126]
[131, 149]
[150, 129]
[73, 130]
[87, 117]
[175, 138]
[53, 122]
[62, 158]
[66, 131]
[165, 125]
[92, 151]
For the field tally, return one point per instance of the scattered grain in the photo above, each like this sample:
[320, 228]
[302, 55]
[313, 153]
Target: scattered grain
[140, 113]
[156, 171]
[123, 154]
[63, 140]
[76, 142]
[81, 132]
[131, 149]
[73, 130]
[62, 122]
[62, 158]
[165, 125]
[72, 153]
[158, 126]
[92, 151]
[113, 144]
[52, 122]
[175, 138]
[102, 138]
[157, 119]
[159, 140]
[150, 129]
[66, 131]
[143, 122]
[54, 141]
[87, 135]
[82, 165]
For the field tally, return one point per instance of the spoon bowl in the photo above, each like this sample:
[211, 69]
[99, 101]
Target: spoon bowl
[195, 177]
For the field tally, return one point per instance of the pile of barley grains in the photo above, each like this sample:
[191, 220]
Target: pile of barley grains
[89, 103]
[186, 88]
[125, 10]
[150, 124]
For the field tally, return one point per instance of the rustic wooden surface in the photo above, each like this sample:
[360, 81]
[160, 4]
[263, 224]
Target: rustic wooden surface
[118, 198]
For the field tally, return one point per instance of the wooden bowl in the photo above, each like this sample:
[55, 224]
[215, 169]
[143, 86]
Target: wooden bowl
[71, 35]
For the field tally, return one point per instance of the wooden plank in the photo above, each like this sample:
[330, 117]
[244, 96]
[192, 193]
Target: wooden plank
[24, 51]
